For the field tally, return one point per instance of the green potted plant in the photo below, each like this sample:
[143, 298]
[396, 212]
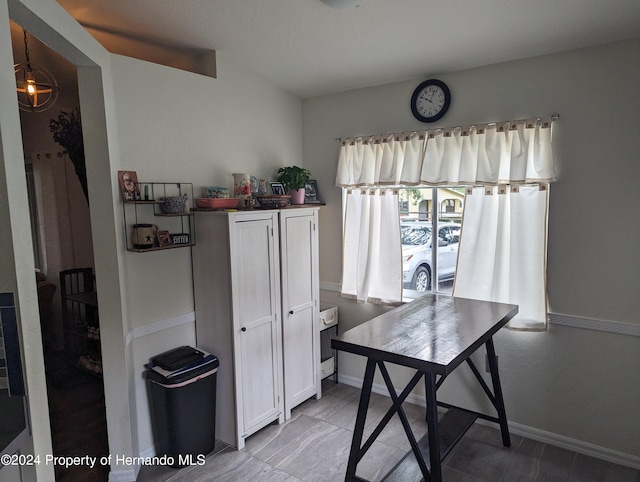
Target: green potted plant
[294, 179]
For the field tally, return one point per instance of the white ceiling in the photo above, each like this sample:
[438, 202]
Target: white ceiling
[311, 49]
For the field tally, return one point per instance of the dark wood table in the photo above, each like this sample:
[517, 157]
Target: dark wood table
[433, 334]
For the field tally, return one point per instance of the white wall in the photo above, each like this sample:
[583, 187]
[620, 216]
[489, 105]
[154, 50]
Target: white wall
[573, 382]
[179, 126]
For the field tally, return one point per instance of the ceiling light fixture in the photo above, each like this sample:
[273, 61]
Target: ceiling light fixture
[344, 3]
[37, 88]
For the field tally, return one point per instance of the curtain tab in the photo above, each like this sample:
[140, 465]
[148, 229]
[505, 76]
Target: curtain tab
[488, 191]
[532, 123]
[515, 188]
[502, 189]
[469, 190]
[542, 187]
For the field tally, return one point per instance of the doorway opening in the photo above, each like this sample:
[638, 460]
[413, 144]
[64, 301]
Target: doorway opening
[60, 221]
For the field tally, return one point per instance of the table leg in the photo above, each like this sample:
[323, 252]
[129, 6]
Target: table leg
[358, 430]
[432, 425]
[497, 393]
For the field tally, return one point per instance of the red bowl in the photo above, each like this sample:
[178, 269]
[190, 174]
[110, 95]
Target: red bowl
[217, 203]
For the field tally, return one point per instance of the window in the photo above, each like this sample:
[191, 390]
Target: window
[416, 228]
[33, 211]
[503, 257]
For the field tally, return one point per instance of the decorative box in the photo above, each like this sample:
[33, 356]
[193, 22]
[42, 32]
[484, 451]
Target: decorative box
[181, 238]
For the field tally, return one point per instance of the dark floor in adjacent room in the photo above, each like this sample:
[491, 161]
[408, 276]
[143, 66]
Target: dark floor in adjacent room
[78, 421]
[314, 446]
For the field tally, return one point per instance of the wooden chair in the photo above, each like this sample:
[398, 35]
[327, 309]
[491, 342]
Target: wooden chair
[46, 292]
[79, 310]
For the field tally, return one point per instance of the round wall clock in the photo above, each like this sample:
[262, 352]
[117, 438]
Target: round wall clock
[430, 101]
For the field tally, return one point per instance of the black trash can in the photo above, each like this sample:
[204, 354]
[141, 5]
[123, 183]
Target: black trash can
[182, 391]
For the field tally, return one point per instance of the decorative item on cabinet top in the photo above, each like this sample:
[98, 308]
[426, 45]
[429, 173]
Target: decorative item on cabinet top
[294, 179]
[144, 202]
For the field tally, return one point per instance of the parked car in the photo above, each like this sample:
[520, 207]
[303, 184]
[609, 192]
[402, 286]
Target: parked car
[416, 253]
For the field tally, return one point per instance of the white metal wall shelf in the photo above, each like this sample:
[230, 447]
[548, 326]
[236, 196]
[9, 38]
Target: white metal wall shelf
[169, 234]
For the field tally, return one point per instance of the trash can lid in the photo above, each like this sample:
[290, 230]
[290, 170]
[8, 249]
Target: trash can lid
[190, 362]
[178, 358]
[179, 377]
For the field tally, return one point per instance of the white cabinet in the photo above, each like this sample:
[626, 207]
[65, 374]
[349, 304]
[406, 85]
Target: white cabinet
[300, 307]
[237, 293]
[256, 294]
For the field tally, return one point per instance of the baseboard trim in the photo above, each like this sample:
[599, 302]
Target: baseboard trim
[608, 326]
[575, 445]
[124, 475]
[532, 433]
[149, 453]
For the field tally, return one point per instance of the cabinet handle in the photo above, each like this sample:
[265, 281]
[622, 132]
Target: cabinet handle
[291, 312]
[244, 328]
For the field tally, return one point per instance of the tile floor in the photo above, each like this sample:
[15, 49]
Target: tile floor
[314, 446]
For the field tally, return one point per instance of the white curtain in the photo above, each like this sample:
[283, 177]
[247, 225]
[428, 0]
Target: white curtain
[371, 256]
[510, 152]
[502, 251]
[513, 153]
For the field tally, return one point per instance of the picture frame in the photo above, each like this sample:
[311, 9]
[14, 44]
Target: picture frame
[163, 239]
[277, 188]
[129, 186]
[311, 193]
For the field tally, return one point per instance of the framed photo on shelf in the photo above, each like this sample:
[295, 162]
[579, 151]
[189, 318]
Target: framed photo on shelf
[129, 185]
[163, 239]
[311, 193]
[277, 188]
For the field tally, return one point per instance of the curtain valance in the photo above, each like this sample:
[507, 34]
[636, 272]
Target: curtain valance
[489, 154]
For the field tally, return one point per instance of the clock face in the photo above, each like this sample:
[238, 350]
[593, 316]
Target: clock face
[430, 100]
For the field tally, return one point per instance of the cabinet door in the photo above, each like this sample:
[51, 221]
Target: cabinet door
[299, 263]
[256, 330]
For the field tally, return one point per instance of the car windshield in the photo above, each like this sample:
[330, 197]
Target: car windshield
[415, 235]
